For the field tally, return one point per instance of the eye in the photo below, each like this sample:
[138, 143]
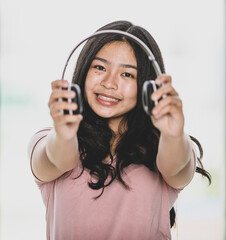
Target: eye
[129, 75]
[99, 67]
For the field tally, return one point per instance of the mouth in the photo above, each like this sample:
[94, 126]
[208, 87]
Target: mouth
[107, 98]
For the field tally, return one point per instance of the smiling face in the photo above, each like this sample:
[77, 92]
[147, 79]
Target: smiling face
[111, 82]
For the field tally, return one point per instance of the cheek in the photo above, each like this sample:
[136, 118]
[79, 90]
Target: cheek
[131, 90]
[88, 83]
[91, 84]
[91, 81]
[87, 88]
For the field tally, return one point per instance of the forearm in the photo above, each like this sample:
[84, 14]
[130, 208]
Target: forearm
[174, 153]
[64, 154]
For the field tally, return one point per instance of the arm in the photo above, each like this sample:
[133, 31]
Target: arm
[58, 152]
[175, 158]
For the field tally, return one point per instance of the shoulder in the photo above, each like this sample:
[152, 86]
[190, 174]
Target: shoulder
[35, 139]
[68, 181]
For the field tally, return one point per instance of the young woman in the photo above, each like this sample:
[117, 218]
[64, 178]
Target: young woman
[113, 172]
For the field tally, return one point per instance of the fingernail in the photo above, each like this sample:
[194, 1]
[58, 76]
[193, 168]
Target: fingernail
[65, 83]
[157, 81]
[154, 112]
[154, 97]
[74, 106]
[72, 94]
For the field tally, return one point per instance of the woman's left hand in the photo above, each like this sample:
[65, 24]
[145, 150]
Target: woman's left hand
[168, 115]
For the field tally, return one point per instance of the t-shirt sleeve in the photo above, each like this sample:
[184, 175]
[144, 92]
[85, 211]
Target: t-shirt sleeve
[46, 188]
[31, 146]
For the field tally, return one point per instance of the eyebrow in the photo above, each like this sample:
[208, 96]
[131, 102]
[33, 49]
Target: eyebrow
[122, 65]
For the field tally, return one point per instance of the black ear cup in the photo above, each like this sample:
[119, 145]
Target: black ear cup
[77, 99]
[148, 88]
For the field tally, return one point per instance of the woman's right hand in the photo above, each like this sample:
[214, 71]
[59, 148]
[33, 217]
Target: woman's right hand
[66, 126]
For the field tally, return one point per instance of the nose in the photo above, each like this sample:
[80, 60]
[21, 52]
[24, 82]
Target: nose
[110, 81]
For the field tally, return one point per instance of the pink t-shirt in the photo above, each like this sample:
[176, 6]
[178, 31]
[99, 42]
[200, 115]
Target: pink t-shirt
[141, 213]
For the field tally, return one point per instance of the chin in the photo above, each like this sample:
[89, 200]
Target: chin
[106, 115]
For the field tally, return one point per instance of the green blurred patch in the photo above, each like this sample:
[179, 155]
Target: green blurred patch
[12, 100]
[11, 97]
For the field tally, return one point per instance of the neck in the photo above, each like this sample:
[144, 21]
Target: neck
[113, 124]
[117, 125]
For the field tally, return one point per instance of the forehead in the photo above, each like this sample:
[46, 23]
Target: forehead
[118, 49]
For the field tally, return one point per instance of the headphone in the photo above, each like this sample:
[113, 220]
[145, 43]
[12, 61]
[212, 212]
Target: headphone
[149, 86]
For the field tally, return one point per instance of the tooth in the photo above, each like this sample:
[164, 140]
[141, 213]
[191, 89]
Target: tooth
[108, 99]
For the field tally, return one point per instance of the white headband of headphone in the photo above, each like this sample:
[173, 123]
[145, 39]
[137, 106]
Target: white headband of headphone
[146, 49]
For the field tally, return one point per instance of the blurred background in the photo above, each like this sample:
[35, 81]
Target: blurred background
[36, 39]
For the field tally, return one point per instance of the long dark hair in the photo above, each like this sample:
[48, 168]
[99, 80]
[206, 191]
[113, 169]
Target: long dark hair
[139, 144]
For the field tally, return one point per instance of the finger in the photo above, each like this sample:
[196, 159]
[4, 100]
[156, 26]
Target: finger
[168, 101]
[167, 110]
[67, 119]
[57, 107]
[59, 84]
[163, 79]
[59, 94]
[164, 90]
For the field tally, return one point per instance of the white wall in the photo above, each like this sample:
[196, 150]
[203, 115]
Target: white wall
[36, 38]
